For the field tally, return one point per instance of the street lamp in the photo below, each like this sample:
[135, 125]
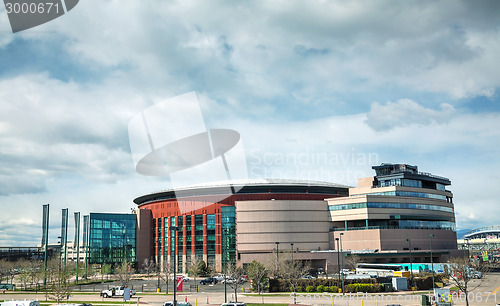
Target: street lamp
[158, 265]
[174, 229]
[291, 247]
[342, 263]
[432, 260]
[277, 256]
[338, 256]
[411, 263]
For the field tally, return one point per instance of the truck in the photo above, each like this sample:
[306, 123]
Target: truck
[116, 291]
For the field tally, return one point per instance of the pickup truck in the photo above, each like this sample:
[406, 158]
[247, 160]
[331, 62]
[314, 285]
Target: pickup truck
[116, 291]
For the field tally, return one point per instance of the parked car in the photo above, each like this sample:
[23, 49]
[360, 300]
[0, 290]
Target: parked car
[209, 280]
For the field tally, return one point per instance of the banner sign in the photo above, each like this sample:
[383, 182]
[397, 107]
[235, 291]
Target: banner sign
[45, 225]
[76, 241]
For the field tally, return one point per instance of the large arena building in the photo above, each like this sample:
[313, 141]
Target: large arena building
[398, 213]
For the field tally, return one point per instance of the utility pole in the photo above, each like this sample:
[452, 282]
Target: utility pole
[342, 263]
[174, 229]
[411, 263]
[432, 260]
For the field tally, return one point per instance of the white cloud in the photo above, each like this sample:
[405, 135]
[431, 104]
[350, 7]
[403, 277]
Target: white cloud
[269, 70]
[406, 112]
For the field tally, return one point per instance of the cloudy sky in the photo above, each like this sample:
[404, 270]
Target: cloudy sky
[317, 89]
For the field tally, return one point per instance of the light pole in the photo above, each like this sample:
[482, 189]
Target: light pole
[224, 266]
[291, 248]
[342, 263]
[411, 263]
[277, 256]
[432, 260]
[158, 264]
[338, 256]
[174, 229]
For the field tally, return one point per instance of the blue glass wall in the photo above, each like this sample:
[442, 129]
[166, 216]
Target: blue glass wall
[112, 238]
[228, 228]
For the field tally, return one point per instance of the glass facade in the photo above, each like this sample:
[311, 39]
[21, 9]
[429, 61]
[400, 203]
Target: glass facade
[397, 224]
[401, 193]
[228, 228]
[112, 238]
[165, 238]
[180, 243]
[211, 241]
[401, 182]
[198, 231]
[188, 240]
[389, 205]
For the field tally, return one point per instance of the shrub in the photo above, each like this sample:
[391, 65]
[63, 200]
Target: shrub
[320, 288]
[299, 288]
[353, 288]
[310, 289]
[333, 289]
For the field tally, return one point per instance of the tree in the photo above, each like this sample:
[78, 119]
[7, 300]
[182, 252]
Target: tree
[149, 266]
[105, 269]
[257, 273]
[31, 271]
[461, 272]
[352, 261]
[165, 274]
[235, 279]
[59, 280]
[5, 268]
[124, 271]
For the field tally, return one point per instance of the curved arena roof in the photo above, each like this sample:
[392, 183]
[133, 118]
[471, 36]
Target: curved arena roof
[249, 186]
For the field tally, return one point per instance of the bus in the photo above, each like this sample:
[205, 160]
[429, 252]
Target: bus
[377, 270]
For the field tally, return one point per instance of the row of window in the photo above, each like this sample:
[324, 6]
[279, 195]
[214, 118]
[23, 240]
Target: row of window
[401, 193]
[389, 205]
[401, 182]
[397, 224]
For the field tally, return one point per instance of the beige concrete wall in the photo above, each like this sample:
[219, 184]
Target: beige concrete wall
[259, 224]
[395, 239]
[420, 239]
[359, 240]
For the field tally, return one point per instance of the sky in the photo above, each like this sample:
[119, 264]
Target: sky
[319, 90]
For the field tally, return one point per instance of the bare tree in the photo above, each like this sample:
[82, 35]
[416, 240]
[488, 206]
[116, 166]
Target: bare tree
[5, 268]
[124, 272]
[292, 271]
[461, 272]
[149, 266]
[235, 279]
[59, 280]
[165, 274]
[352, 261]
